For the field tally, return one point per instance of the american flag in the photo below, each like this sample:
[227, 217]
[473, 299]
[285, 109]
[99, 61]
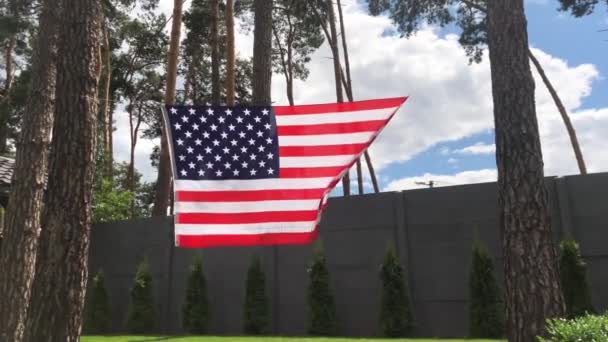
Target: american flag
[261, 175]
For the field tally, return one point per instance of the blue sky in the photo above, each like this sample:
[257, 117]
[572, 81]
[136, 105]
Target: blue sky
[444, 132]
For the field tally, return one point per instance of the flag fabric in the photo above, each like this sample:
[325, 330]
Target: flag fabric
[261, 175]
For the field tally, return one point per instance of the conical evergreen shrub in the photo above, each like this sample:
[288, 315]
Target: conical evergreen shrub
[97, 308]
[395, 314]
[321, 306]
[486, 319]
[257, 310]
[142, 314]
[573, 273]
[195, 311]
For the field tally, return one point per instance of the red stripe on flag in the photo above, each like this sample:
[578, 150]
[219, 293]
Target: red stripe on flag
[339, 107]
[197, 241]
[310, 172]
[321, 150]
[257, 217]
[248, 196]
[332, 128]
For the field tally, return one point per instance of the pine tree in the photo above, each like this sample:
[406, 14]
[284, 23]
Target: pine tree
[395, 315]
[142, 315]
[574, 280]
[485, 311]
[97, 310]
[195, 311]
[257, 311]
[321, 306]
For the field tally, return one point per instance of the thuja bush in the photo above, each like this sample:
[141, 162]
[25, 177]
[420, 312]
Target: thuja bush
[395, 314]
[97, 307]
[257, 309]
[573, 274]
[587, 328]
[142, 314]
[486, 319]
[195, 311]
[321, 305]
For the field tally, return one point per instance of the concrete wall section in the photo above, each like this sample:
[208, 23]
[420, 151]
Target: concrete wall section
[432, 230]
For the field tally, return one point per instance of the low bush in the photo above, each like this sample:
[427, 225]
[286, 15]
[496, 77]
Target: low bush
[142, 314]
[575, 287]
[588, 328]
[97, 307]
[195, 311]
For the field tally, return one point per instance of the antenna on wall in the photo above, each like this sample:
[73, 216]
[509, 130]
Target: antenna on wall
[430, 183]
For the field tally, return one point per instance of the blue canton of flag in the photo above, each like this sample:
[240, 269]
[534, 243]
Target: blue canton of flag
[216, 142]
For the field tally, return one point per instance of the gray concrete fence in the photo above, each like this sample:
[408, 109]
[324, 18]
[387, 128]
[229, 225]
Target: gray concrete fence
[432, 229]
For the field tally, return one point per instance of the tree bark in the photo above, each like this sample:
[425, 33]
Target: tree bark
[349, 89]
[105, 109]
[372, 173]
[61, 266]
[9, 63]
[230, 55]
[564, 114]
[22, 225]
[337, 71]
[533, 291]
[262, 49]
[163, 184]
[215, 53]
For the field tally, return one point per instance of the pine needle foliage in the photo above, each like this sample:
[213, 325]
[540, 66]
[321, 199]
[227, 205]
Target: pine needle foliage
[573, 273]
[97, 308]
[395, 313]
[142, 314]
[257, 307]
[195, 311]
[322, 319]
[486, 318]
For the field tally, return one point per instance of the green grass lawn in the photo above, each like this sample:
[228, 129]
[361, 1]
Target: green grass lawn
[254, 339]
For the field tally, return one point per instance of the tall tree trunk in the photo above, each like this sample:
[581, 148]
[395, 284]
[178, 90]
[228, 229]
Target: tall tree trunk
[9, 63]
[349, 87]
[372, 173]
[105, 96]
[562, 111]
[262, 48]
[337, 70]
[163, 183]
[533, 291]
[215, 52]
[22, 225]
[134, 131]
[230, 58]
[61, 269]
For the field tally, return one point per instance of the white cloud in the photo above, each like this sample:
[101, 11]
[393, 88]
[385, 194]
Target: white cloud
[449, 100]
[466, 177]
[452, 161]
[478, 148]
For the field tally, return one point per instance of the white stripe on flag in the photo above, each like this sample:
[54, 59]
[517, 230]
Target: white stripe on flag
[245, 207]
[325, 139]
[249, 228]
[253, 184]
[338, 117]
[323, 161]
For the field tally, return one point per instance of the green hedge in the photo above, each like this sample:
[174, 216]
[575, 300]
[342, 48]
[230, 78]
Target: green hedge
[588, 328]
[142, 314]
[573, 273]
[486, 319]
[195, 311]
[321, 305]
[97, 308]
[257, 307]
[395, 313]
